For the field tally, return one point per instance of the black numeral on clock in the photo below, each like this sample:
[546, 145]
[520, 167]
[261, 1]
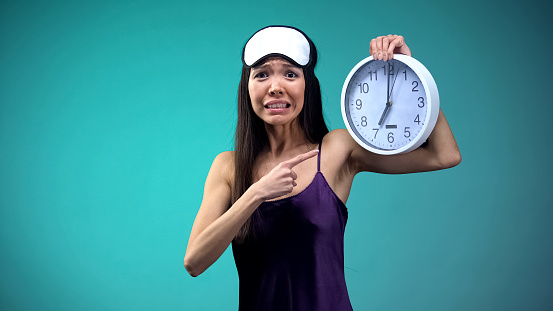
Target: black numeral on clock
[421, 102]
[415, 85]
[363, 87]
[371, 75]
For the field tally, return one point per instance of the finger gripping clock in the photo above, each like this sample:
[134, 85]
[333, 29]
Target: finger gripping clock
[390, 107]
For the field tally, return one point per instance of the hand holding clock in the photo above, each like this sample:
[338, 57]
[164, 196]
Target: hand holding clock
[384, 47]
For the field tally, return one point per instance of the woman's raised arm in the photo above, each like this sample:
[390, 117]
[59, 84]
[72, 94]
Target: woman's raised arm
[440, 151]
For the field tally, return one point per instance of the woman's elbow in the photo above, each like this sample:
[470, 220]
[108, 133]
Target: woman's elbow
[451, 160]
[191, 268]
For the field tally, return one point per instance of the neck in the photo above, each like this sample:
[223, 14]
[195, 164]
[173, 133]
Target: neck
[286, 138]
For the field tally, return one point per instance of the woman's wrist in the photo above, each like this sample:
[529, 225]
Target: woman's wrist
[254, 195]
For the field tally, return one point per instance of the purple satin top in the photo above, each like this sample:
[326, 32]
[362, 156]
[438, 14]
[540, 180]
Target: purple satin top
[295, 258]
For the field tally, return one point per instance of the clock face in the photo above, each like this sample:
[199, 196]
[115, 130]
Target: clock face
[385, 105]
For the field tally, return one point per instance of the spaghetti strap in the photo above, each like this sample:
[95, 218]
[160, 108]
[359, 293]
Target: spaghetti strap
[319, 158]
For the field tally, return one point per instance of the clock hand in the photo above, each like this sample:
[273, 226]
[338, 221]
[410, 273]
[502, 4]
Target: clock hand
[388, 89]
[385, 112]
[394, 82]
[388, 103]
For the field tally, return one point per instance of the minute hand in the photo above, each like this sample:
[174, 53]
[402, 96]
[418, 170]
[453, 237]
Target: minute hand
[390, 91]
[388, 88]
[388, 102]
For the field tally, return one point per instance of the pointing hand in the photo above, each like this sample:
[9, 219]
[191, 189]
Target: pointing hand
[281, 179]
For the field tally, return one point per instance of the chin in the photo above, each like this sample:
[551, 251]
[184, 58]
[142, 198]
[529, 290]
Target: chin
[280, 120]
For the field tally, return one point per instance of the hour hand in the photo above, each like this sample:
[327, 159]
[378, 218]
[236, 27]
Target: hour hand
[385, 112]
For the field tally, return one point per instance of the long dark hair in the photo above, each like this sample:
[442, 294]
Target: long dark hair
[251, 137]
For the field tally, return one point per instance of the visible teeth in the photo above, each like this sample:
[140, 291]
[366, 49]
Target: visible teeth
[274, 106]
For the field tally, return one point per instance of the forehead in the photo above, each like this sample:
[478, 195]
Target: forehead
[273, 61]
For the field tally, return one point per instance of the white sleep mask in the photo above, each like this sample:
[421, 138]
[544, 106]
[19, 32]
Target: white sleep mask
[284, 41]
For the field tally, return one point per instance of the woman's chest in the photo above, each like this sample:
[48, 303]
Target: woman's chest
[304, 173]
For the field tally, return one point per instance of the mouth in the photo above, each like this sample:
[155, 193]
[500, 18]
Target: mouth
[277, 105]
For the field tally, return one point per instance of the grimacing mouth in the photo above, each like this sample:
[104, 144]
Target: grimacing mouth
[277, 105]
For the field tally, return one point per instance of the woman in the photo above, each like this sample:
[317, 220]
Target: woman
[279, 197]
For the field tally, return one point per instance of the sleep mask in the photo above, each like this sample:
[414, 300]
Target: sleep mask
[284, 41]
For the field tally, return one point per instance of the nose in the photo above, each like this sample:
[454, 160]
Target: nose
[275, 88]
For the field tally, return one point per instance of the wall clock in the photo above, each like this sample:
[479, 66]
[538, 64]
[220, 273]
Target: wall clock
[390, 107]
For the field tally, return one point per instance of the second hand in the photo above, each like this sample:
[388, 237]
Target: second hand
[393, 84]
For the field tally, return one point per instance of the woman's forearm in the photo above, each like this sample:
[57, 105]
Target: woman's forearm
[212, 242]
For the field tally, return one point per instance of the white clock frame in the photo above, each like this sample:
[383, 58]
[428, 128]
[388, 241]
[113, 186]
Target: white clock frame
[432, 100]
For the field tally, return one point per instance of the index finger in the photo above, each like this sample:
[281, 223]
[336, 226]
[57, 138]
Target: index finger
[300, 158]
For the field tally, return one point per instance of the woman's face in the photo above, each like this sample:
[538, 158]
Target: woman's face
[277, 91]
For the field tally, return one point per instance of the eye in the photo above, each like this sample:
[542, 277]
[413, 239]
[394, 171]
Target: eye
[260, 75]
[291, 74]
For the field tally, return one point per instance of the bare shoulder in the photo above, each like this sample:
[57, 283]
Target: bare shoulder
[340, 138]
[336, 161]
[223, 167]
[337, 148]
[340, 144]
[225, 158]
[348, 153]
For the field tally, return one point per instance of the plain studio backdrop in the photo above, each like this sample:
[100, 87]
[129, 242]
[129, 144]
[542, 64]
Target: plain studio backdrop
[111, 113]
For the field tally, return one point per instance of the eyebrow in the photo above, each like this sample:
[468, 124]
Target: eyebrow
[266, 64]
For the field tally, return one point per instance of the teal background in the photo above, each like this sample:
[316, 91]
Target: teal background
[111, 113]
